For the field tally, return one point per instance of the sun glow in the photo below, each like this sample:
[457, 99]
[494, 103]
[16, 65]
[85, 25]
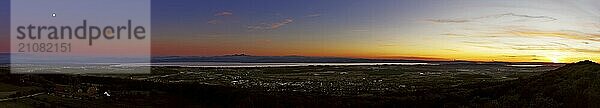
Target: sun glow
[554, 59]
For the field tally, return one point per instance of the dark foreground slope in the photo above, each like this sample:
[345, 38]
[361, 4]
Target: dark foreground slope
[573, 85]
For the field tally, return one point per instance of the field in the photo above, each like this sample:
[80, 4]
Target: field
[345, 80]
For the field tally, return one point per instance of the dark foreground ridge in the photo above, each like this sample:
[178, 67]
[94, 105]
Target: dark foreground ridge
[573, 85]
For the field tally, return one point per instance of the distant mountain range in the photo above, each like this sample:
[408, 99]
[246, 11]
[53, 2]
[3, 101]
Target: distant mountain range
[242, 58]
[4, 58]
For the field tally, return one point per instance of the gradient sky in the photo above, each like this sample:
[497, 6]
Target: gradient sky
[481, 30]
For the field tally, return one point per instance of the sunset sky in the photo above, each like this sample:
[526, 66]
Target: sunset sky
[478, 30]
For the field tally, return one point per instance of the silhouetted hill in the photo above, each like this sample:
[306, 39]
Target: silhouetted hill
[573, 85]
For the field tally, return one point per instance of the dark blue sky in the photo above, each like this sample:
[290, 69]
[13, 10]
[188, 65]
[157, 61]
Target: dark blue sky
[173, 15]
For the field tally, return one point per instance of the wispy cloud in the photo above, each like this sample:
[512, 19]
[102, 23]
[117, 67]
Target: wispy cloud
[213, 21]
[507, 31]
[545, 46]
[218, 17]
[282, 23]
[454, 35]
[520, 56]
[271, 26]
[453, 50]
[448, 20]
[224, 13]
[506, 17]
[588, 50]
[521, 32]
[568, 34]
